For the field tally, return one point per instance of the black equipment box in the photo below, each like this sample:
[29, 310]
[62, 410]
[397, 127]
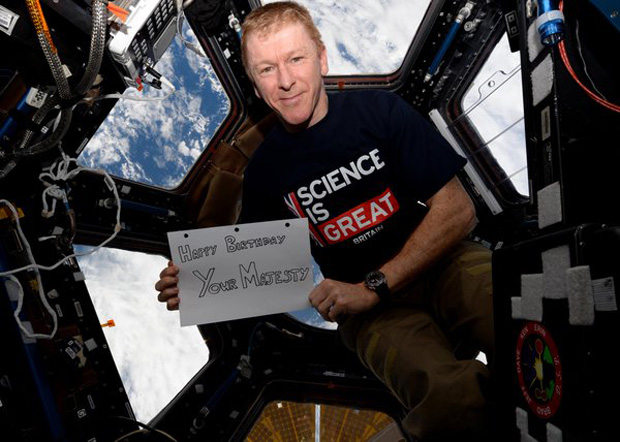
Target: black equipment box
[572, 136]
[557, 324]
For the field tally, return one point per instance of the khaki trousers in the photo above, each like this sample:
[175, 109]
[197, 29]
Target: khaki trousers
[422, 343]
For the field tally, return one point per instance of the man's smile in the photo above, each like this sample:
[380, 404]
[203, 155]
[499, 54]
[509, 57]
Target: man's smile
[291, 99]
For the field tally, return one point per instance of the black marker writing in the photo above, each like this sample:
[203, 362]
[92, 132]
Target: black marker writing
[187, 254]
[233, 245]
[249, 275]
[215, 287]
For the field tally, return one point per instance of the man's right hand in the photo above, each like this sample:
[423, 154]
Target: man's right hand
[167, 286]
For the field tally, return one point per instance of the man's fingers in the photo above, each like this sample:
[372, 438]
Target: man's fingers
[173, 303]
[167, 294]
[316, 296]
[325, 307]
[171, 270]
[166, 282]
[167, 287]
[333, 314]
[321, 292]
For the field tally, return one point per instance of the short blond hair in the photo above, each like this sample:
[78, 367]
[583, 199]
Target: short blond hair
[271, 18]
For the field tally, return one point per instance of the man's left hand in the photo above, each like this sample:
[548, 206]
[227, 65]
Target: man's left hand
[334, 300]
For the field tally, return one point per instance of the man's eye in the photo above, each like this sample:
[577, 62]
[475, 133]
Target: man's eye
[296, 59]
[266, 70]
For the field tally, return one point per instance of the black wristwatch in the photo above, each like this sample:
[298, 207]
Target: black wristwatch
[377, 282]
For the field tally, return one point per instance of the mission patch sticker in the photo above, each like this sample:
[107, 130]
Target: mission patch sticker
[539, 370]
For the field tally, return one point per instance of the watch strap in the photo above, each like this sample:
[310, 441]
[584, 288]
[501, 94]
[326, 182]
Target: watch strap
[377, 282]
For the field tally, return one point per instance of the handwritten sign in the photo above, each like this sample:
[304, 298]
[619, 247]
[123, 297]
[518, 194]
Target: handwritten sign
[241, 271]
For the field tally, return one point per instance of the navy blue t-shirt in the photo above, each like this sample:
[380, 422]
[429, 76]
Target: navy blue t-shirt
[358, 175]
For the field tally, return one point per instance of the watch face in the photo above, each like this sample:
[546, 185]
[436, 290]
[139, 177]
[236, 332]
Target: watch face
[375, 279]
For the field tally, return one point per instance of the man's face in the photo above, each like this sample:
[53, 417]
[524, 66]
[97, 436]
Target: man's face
[287, 70]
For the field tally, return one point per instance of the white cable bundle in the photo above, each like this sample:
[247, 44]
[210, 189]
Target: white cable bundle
[59, 171]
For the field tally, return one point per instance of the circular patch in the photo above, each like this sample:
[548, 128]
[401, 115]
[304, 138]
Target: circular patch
[539, 370]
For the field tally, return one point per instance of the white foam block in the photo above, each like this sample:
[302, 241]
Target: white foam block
[580, 297]
[521, 418]
[542, 80]
[531, 297]
[554, 434]
[555, 263]
[534, 45]
[549, 205]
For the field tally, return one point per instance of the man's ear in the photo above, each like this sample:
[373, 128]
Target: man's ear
[323, 61]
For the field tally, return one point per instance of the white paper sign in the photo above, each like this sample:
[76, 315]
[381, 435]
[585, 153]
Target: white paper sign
[241, 271]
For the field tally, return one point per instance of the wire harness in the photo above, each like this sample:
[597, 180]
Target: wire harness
[60, 172]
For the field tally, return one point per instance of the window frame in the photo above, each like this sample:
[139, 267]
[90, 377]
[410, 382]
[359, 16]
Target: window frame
[464, 129]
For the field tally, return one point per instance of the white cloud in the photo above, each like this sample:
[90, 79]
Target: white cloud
[167, 128]
[134, 171]
[154, 354]
[169, 182]
[193, 107]
[170, 154]
[366, 37]
[183, 149]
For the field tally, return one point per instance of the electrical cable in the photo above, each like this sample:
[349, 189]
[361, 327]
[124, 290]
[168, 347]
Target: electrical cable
[20, 302]
[163, 80]
[20, 289]
[181, 5]
[95, 58]
[38, 118]
[59, 131]
[130, 97]
[569, 68]
[97, 47]
[48, 47]
[62, 174]
[583, 61]
[121, 13]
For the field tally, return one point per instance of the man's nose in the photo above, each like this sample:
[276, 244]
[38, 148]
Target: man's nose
[286, 79]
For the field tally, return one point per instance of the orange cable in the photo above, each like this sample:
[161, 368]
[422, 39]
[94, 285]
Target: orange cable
[118, 11]
[38, 20]
[570, 70]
